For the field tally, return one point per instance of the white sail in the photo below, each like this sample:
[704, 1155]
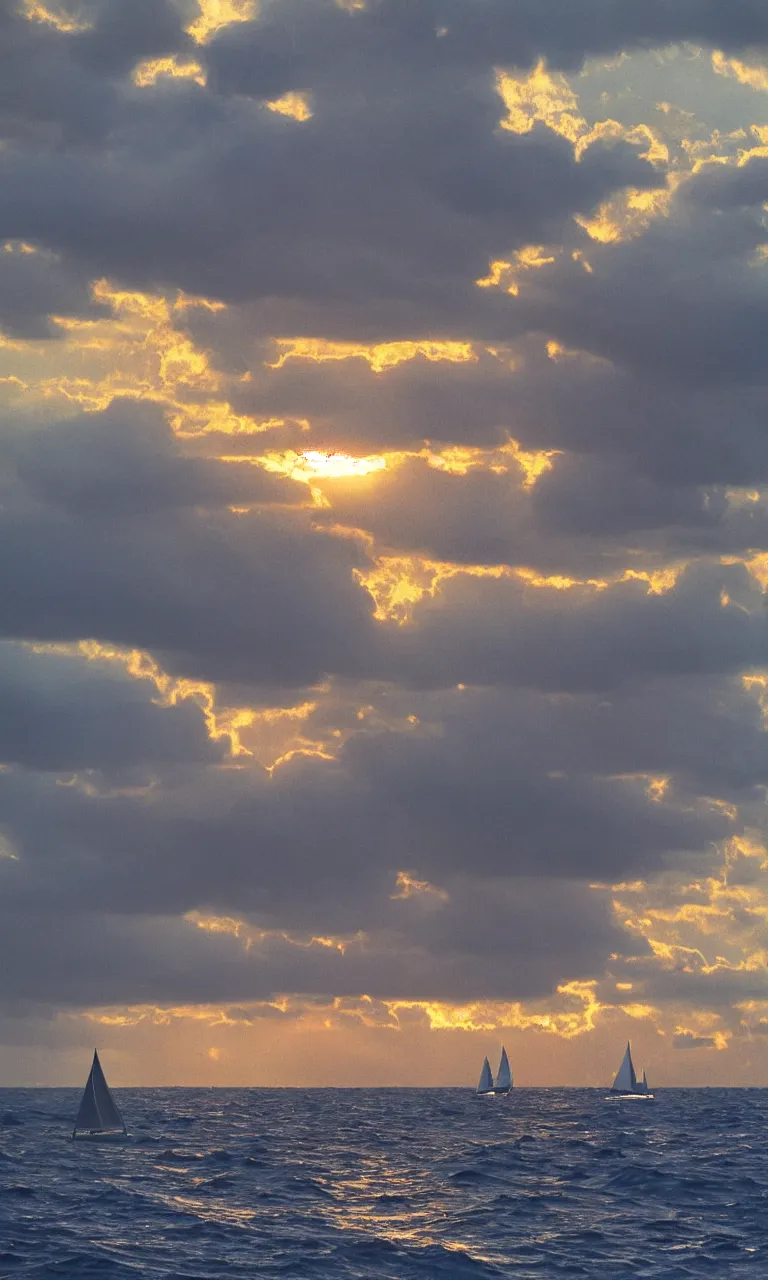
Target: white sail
[486, 1079]
[98, 1112]
[644, 1086]
[504, 1074]
[626, 1080]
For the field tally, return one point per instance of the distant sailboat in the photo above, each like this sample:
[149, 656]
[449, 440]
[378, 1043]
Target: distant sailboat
[485, 1084]
[504, 1074]
[503, 1082]
[98, 1116]
[625, 1085]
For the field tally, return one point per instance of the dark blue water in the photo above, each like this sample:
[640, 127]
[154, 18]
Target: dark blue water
[387, 1184]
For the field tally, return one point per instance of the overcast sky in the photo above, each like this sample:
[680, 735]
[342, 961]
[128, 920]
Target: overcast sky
[384, 527]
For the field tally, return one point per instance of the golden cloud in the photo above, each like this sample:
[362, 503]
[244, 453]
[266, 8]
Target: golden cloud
[215, 14]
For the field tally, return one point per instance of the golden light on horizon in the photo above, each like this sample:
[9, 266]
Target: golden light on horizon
[563, 1021]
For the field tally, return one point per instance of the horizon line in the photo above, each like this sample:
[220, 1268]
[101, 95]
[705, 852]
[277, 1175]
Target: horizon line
[463, 1088]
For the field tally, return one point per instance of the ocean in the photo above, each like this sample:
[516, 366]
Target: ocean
[387, 1184]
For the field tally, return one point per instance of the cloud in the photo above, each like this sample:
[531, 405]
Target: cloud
[126, 462]
[35, 286]
[689, 1040]
[478, 720]
[333, 211]
[310, 45]
[122, 32]
[479, 630]
[155, 960]
[60, 712]
[317, 851]
[253, 596]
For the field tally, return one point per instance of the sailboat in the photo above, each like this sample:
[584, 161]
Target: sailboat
[626, 1084]
[503, 1081]
[485, 1084]
[98, 1115]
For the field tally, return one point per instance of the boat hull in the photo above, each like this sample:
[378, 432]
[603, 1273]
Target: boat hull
[630, 1097]
[118, 1136]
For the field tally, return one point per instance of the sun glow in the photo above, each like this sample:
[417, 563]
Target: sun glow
[314, 464]
[341, 464]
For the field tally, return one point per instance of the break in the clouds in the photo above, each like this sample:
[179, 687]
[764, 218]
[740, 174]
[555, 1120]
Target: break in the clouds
[385, 533]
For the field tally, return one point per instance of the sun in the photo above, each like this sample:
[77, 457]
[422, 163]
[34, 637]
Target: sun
[337, 465]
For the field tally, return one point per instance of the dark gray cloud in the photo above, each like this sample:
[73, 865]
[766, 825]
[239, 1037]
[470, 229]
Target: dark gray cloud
[681, 433]
[255, 206]
[315, 45]
[121, 33]
[63, 713]
[218, 197]
[318, 845]
[36, 286]
[126, 461]
[254, 596]
[704, 734]
[682, 326]
[590, 516]
[162, 960]
[317, 849]
[482, 631]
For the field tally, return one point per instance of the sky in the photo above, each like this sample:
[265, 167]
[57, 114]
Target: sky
[384, 526]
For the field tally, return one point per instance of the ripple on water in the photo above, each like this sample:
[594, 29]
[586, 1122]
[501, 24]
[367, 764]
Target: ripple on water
[386, 1185]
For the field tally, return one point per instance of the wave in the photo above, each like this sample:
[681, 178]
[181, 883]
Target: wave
[385, 1185]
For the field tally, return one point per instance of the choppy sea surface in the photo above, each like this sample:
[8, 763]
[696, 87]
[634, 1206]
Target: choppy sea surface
[387, 1184]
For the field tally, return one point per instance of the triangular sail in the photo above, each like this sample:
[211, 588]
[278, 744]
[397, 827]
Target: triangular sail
[98, 1110]
[626, 1080]
[644, 1085]
[504, 1074]
[486, 1079]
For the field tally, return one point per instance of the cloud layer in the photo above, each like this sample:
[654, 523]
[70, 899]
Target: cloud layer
[384, 523]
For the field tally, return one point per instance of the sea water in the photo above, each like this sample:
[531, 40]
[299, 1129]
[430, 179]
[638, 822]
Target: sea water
[387, 1183]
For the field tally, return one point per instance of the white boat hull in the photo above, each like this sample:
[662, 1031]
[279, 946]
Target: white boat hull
[630, 1097]
[100, 1137]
